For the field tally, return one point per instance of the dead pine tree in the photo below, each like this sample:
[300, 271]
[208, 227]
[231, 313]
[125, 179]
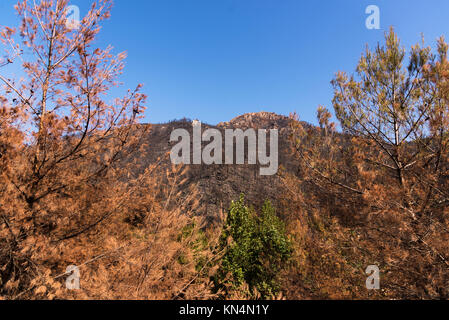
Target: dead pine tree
[60, 138]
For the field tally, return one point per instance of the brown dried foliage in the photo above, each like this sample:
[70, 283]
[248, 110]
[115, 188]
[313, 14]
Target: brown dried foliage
[71, 193]
[376, 193]
[68, 192]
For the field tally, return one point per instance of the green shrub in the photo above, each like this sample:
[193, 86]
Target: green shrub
[256, 250]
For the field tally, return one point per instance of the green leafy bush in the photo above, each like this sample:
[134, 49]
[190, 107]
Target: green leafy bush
[256, 250]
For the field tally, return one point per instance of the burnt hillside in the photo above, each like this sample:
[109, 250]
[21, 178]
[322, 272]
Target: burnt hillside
[219, 184]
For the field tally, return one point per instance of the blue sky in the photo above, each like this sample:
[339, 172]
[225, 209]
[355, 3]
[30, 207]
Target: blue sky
[216, 59]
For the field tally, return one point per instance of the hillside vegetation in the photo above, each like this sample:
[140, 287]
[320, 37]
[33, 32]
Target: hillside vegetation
[84, 183]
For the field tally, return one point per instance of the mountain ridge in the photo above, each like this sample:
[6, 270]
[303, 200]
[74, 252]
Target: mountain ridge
[220, 184]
